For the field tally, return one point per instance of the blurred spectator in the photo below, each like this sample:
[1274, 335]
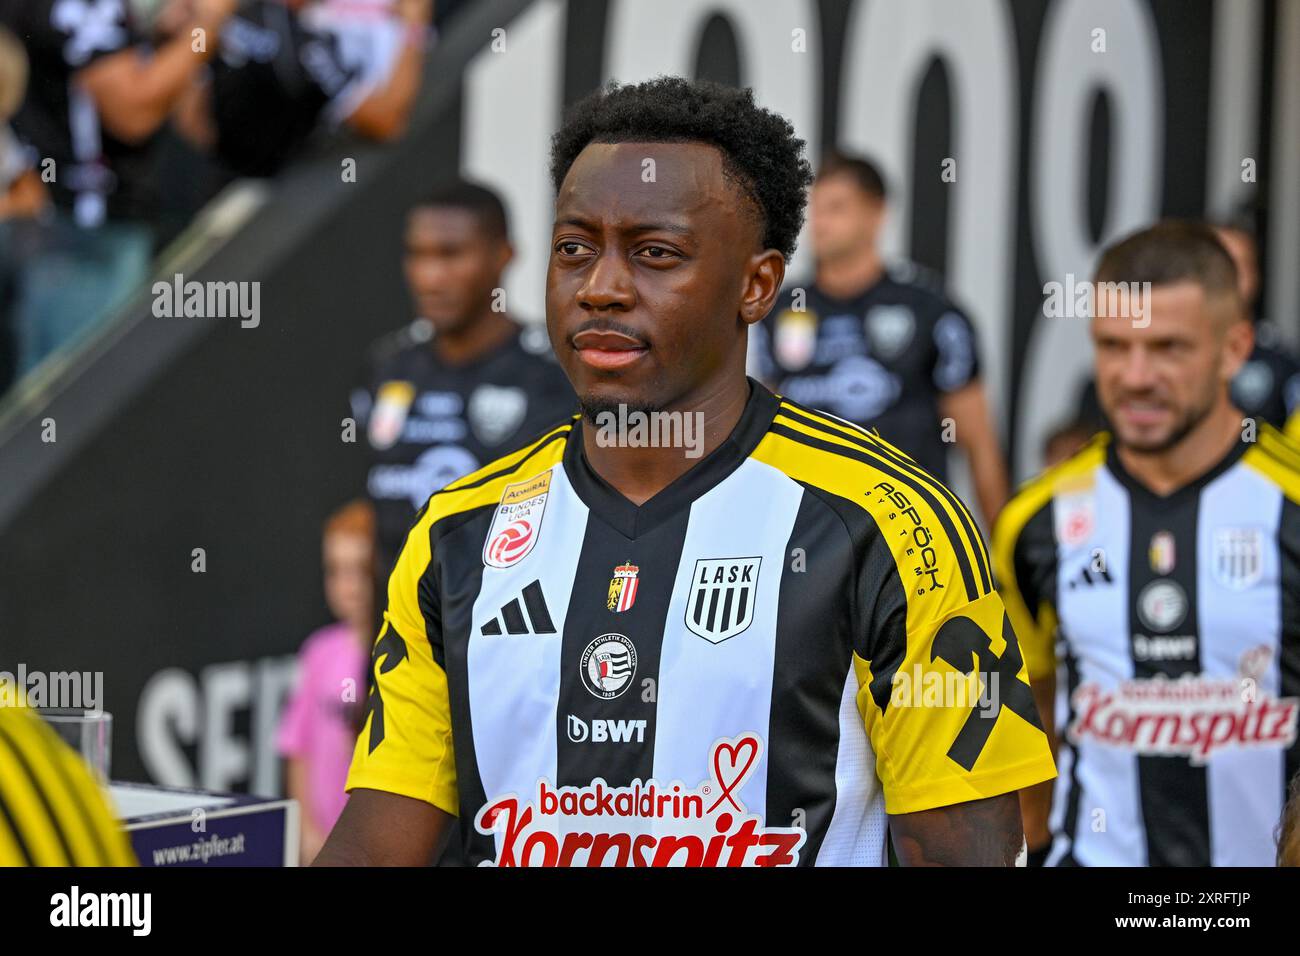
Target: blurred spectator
[285, 65]
[22, 195]
[880, 346]
[95, 99]
[319, 728]
[462, 385]
[52, 811]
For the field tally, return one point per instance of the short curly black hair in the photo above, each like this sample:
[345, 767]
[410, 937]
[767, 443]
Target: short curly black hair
[760, 151]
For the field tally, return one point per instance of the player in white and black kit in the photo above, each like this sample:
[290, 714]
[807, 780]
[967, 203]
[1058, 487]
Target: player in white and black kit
[879, 344]
[464, 383]
[1159, 569]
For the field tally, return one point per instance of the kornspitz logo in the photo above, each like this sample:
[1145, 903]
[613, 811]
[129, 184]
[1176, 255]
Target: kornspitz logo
[208, 300]
[646, 823]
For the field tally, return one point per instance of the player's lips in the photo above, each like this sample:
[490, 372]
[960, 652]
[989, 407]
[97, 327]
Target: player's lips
[606, 350]
[1143, 413]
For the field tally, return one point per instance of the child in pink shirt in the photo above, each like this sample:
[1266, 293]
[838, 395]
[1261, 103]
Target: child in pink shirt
[319, 727]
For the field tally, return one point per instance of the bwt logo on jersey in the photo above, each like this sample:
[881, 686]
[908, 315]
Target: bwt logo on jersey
[517, 523]
[645, 823]
[721, 601]
[599, 731]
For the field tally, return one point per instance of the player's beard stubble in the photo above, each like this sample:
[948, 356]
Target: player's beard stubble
[1193, 415]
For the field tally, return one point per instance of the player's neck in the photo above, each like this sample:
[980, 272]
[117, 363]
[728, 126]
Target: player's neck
[640, 473]
[478, 338]
[849, 276]
[1200, 450]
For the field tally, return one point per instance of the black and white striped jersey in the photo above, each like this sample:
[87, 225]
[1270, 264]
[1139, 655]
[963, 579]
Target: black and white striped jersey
[1173, 625]
[711, 678]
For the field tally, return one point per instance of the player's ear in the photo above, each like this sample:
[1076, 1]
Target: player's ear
[505, 254]
[764, 276]
[1238, 342]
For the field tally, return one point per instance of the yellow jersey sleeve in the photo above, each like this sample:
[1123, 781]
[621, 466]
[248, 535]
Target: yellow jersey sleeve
[1024, 562]
[956, 721]
[943, 689]
[52, 810]
[405, 744]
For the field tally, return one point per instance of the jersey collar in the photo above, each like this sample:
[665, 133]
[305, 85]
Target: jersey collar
[632, 520]
[1142, 493]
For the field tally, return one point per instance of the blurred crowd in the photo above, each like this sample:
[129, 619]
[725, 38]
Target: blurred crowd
[119, 119]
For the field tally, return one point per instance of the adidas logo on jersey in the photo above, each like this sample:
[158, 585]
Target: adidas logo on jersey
[511, 615]
[1088, 576]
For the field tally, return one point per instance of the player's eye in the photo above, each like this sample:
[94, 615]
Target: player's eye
[656, 252]
[570, 247]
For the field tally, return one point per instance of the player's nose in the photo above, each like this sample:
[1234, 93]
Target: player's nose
[608, 284]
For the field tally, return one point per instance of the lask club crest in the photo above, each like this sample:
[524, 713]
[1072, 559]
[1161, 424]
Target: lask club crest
[722, 596]
[622, 588]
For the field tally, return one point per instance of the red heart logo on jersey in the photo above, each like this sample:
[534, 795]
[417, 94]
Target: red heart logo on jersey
[731, 762]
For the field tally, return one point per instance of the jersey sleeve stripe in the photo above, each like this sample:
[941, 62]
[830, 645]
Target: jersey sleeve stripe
[42, 823]
[866, 440]
[504, 466]
[803, 435]
[44, 765]
[1279, 447]
[1034, 627]
[1275, 470]
[1015, 516]
[21, 854]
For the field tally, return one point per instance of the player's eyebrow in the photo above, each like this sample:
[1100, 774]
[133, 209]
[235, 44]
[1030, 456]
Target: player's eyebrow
[638, 227]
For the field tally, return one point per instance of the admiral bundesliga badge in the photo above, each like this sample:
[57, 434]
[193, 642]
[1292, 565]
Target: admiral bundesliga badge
[622, 588]
[392, 402]
[517, 523]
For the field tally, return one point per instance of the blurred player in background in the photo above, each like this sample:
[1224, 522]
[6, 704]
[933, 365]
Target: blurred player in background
[319, 726]
[465, 382]
[1168, 555]
[1268, 385]
[727, 708]
[881, 346]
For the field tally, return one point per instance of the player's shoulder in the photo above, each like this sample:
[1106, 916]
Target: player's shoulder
[856, 450]
[857, 472]
[1276, 457]
[523, 473]
[1074, 475]
[915, 285]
